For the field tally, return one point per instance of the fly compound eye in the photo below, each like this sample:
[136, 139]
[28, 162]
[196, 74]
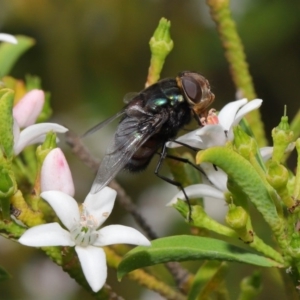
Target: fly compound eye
[192, 89]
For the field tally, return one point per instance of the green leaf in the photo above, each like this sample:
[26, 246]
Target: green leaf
[246, 178]
[184, 248]
[9, 53]
[6, 122]
[4, 275]
[207, 279]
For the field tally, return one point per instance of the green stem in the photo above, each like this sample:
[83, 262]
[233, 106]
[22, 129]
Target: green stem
[235, 55]
[259, 245]
[296, 192]
[200, 219]
[5, 208]
[295, 125]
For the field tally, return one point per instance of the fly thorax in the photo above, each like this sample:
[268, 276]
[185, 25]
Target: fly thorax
[85, 233]
[175, 99]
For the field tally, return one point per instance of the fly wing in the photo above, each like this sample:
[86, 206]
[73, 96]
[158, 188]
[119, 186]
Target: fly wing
[103, 123]
[132, 133]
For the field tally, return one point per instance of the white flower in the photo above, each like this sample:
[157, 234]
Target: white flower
[83, 231]
[5, 37]
[216, 181]
[218, 134]
[215, 189]
[25, 114]
[56, 174]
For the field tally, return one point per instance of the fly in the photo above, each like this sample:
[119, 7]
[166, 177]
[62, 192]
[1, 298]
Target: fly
[150, 119]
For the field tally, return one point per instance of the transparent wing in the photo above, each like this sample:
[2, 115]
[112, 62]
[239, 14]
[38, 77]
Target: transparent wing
[126, 142]
[129, 96]
[102, 124]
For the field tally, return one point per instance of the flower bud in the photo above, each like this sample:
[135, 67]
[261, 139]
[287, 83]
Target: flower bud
[56, 174]
[244, 144]
[48, 145]
[278, 176]
[29, 107]
[237, 218]
[161, 45]
[7, 184]
[251, 286]
[282, 137]
[16, 85]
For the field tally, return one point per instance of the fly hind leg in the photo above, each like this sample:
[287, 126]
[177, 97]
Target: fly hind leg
[164, 155]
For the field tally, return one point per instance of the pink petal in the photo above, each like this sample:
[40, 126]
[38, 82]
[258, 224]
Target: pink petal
[93, 264]
[64, 206]
[100, 204]
[29, 107]
[46, 235]
[56, 174]
[119, 234]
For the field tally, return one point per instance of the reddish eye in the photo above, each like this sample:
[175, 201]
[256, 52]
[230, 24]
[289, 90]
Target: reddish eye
[192, 89]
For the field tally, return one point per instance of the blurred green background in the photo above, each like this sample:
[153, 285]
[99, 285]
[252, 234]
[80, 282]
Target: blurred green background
[89, 54]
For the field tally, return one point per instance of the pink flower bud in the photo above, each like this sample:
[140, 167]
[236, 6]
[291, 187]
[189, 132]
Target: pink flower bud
[56, 174]
[29, 107]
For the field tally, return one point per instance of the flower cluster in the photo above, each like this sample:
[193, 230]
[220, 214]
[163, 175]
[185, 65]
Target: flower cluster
[81, 226]
[215, 133]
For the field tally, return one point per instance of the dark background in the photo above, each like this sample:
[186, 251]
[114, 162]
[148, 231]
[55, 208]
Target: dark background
[89, 54]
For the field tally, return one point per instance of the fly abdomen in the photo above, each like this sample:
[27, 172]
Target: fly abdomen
[142, 157]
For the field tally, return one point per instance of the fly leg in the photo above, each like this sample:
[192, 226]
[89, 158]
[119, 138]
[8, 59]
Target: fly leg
[163, 155]
[187, 161]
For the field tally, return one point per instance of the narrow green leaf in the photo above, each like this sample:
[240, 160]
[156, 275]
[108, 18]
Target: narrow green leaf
[184, 248]
[3, 274]
[207, 279]
[6, 122]
[9, 53]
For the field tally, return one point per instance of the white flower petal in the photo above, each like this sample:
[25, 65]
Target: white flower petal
[16, 131]
[100, 204]
[65, 207]
[46, 235]
[211, 135]
[56, 174]
[5, 37]
[227, 114]
[266, 153]
[251, 105]
[93, 264]
[119, 234]
[29, 135]
[217, 177]
[198, 191]
[190, 139]
[29, 107]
